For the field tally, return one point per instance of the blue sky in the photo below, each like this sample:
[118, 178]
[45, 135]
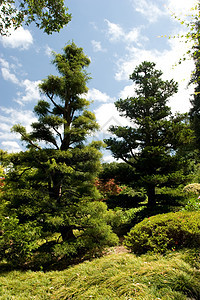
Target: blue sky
[116, 35]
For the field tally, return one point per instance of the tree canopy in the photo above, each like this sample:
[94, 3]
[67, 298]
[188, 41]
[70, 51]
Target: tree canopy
[48, 15]
[150, 145]
[51, 186]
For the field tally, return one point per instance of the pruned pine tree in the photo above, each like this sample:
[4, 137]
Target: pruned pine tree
[150, 145]
[53, 181]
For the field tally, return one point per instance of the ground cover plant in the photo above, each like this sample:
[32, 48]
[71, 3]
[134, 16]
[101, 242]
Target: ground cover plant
[115, 276]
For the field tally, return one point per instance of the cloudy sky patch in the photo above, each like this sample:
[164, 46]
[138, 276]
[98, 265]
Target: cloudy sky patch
[20, 38]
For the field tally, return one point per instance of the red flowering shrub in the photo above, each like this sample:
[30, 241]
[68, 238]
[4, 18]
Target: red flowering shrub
[108, 188]
[1, 182]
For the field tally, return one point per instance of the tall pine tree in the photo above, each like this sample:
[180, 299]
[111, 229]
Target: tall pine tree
[52, 182]
[150, 145]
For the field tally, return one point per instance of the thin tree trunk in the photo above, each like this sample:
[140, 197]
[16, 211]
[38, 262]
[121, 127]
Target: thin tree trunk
[151, 195]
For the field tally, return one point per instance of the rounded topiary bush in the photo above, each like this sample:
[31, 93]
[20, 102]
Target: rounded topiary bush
[165, 231]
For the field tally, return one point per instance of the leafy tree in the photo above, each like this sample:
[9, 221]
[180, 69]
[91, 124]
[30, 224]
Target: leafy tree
[48, 15]
[151, 145]
[193, 36]
[53, 181]
[195, 53]
[108, 188]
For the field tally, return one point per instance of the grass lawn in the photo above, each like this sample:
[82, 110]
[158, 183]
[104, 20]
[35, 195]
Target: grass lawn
[114, 276]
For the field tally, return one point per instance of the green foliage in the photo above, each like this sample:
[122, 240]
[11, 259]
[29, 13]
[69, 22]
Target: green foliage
[163, 232]
[50, 16]
[121, 220]
[193, 204]
[194, 30]
[18, 241]
[94, 232]
[171, 196]
[151, 148]
[52, 183]
[192, 192]
[121, 172]
[127, 198]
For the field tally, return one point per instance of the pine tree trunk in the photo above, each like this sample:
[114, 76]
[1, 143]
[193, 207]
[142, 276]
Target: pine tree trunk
[67, 233]
[151, 195]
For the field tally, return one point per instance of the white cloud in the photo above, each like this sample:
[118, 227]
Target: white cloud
[148, 9]
[20, 38]
[30, 88]
[8, 118]
[31, 91]
[7, 75]
[96, 95]
[4, 63]
[48, 51]
[116, 33]
[128, 91]
[108, 115]
[95, 27]
[110, 158]
[135, 36]
[97, 47]
[11, 146]
[14, 116]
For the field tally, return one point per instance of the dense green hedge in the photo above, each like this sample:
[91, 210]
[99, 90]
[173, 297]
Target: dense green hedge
[165, 231]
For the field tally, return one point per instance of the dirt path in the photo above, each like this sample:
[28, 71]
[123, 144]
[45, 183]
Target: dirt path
[117, 250]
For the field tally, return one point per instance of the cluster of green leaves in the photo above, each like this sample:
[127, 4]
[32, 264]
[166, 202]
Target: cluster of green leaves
[193, 204]
[165, 232]
[94, 234]
[48, 15]
[18, 241]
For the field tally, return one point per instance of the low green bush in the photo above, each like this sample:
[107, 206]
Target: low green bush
[165, 232]
[121, 220]
[27, 245]
[17, 241]
[193, 204]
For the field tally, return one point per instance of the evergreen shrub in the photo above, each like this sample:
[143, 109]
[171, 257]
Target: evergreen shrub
[164, 232]
[193, 204]
[17, 241]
